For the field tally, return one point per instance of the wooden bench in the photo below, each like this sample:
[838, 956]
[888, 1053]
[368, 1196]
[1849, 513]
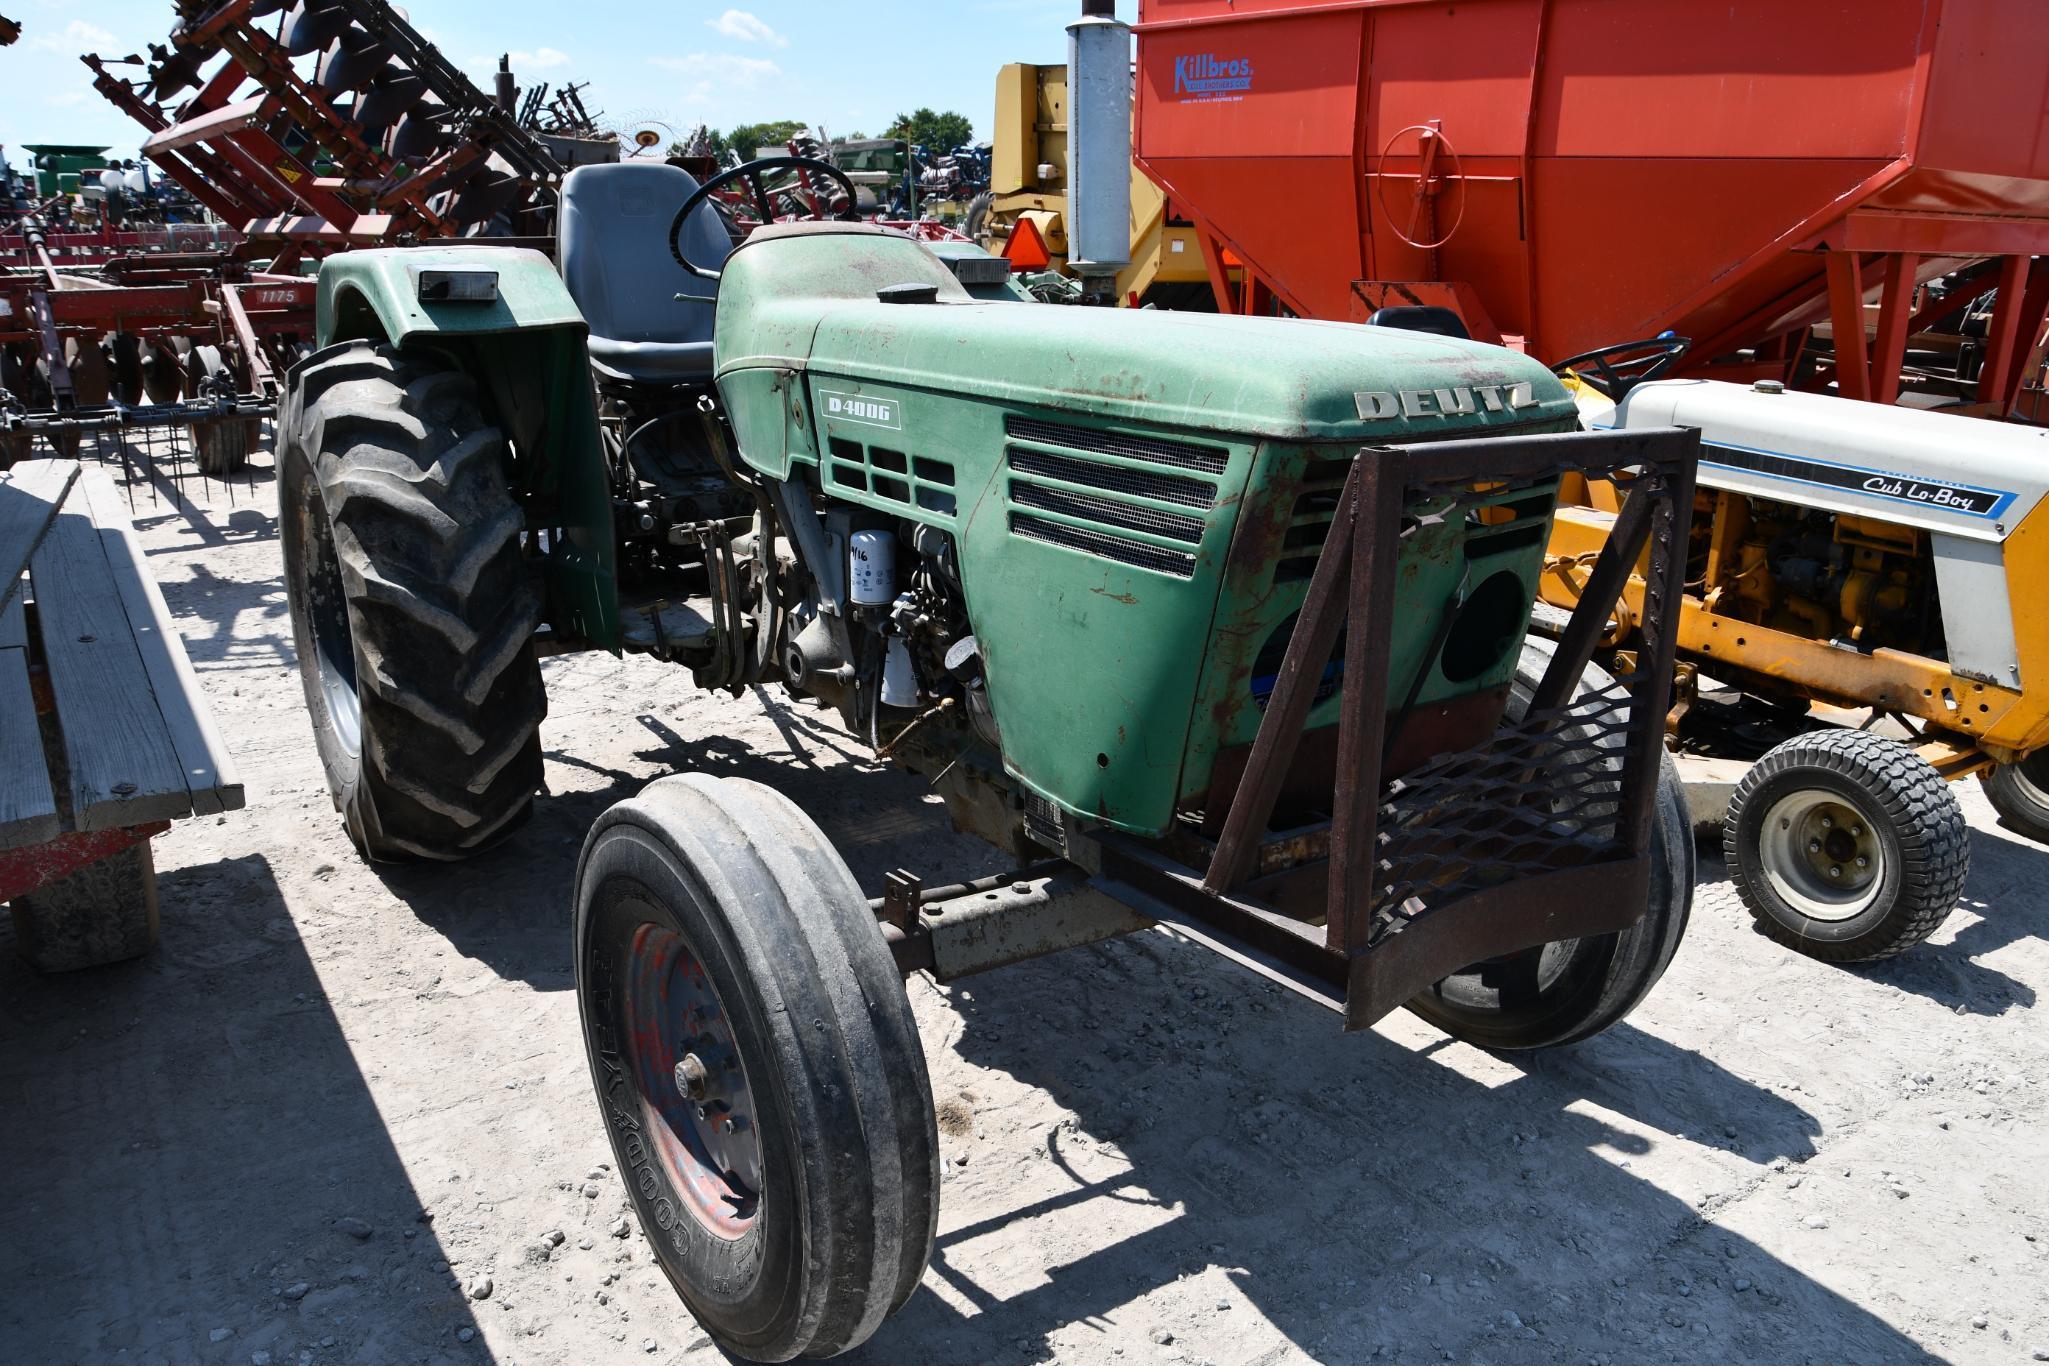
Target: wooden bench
[104, 734]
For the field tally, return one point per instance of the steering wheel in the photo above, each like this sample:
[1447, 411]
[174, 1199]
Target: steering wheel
[1620, 368]
[764, 204]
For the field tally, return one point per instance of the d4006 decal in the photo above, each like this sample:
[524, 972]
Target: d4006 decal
[863, 408]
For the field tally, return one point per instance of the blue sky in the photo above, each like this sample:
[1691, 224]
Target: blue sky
[849, 64]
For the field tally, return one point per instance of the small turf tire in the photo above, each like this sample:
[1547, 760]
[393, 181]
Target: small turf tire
[412, 608]
[728, 968]
[1846, 846]
[2020, 794]
[221, 448]
[1564, 992]
[106, 912]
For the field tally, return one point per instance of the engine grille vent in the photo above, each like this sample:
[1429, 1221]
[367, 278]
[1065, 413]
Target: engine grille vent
[1161, 560]
[1167, 488]
[1179, 454]
[1316, 507]
[1108, 511]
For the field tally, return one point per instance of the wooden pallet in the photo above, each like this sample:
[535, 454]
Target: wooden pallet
[124, 738]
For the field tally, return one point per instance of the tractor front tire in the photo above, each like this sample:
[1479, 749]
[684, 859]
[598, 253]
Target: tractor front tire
[413, 611]
[757, 1066]
[1846, 846]
[2020, 794]
[1563, 992]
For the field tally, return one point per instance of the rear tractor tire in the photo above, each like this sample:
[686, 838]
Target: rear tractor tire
[2020, 794]
[1846, 846]
[412, 609]
[757, 1066]
[1570, 990]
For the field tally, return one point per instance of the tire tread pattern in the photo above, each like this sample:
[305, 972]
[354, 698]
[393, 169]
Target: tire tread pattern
[1933, 837]
[441, 604]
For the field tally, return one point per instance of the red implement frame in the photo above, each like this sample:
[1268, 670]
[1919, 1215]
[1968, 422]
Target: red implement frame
[228, 143]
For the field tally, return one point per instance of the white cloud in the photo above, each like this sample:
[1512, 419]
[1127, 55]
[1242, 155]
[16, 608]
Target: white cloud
[738, 23]
[710, 71]
[540, 59]
[77, 36]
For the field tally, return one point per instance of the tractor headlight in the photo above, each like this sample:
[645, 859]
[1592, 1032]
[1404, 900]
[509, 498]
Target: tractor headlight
[458, 286]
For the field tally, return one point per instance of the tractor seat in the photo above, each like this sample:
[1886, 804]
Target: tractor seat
[1438, 321]
[616, 262]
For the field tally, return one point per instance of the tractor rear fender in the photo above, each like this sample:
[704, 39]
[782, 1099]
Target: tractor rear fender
[502, 315]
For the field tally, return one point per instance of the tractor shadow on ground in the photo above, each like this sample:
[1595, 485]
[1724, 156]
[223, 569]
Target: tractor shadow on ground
[1359, 1193]
[243, 619]
[195, 1137]
[1322, 1176]
[510, 908]
[226, 624]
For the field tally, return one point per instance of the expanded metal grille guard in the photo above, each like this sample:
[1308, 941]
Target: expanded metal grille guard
[1539, 794]
[1541, 832]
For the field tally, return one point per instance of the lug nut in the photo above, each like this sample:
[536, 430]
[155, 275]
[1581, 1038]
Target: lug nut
[1814, 846]
[1835, 870]
[1863, 862]
[1828, 822]
[1856, 832]
[692, 1079]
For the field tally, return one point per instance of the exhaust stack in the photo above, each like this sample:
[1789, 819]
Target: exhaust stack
[1098, 147]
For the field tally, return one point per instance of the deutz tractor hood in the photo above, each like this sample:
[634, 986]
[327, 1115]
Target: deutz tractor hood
[867, 304]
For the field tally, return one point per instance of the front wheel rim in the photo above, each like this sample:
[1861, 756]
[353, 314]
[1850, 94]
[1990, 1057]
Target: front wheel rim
[327, 611]
[695, 1098]
[1822, 856]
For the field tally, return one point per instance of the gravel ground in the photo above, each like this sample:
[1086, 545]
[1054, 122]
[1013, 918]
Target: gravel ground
[343, 1114]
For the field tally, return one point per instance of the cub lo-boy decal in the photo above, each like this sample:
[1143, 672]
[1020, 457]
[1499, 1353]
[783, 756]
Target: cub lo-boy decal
[1950, 497]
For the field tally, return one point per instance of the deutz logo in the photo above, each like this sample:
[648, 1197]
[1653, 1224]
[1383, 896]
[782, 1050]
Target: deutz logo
[875, 412]
[1461, 400]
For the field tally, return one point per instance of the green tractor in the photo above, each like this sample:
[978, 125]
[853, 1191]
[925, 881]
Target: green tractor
[1220, 623]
